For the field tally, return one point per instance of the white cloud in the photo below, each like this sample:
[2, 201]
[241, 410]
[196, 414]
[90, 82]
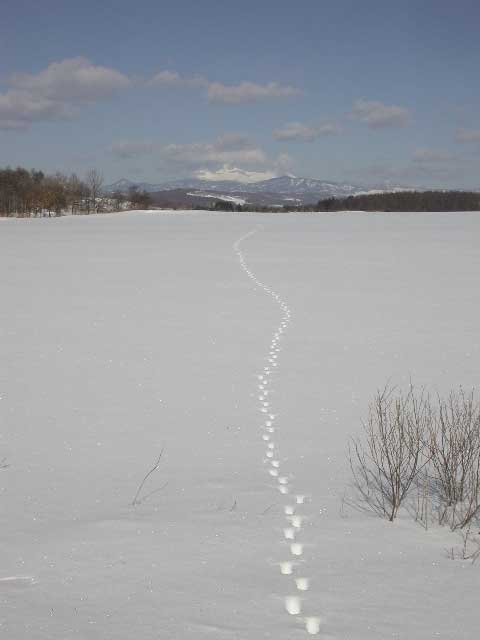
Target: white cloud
[228, 157]
[72, 80]
[248, 92]
[167, 79]
[57, 91]
[171, 79]
[18, 109]
[226, 172]
[468, 135]
[380, 116]
[225, 150]
[298, 132]
[243, 92]
[228, 149]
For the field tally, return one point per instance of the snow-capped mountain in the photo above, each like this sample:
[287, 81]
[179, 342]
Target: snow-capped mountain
[278, 191]
[281, 185]
[302, 186]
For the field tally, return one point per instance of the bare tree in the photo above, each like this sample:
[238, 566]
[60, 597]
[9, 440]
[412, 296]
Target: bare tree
[76, 192]
[94, 180]
[118, 199]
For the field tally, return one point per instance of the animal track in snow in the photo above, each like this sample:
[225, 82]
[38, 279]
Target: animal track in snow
[293, 605]
[303, 584]
[284, 483]
[296, 521]
[312, 625]
[286, 568]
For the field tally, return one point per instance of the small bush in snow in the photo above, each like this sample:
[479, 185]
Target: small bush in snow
[387, 460]
[411, 443]
[454, 449]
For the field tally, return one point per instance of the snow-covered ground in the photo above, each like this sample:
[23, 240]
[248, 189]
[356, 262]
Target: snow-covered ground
[125, 334]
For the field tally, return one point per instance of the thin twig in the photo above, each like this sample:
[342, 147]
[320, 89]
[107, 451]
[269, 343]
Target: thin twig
[265, 511]
[136, 501]
[149, 495]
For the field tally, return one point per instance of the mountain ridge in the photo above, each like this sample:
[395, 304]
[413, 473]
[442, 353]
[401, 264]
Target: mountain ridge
[280, 190]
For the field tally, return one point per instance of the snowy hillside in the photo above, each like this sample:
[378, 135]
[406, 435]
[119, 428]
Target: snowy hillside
[298, 186]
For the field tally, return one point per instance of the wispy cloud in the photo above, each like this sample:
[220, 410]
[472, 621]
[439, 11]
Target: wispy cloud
[229, 149]
[227, 172]
[378, 115]
[166, 79]
[226, 149]
[57, 92]
[248, 92]
[19, 109]
[468, 135]
[241, 93]
[227, 155]
[431, 156]
[298, 132]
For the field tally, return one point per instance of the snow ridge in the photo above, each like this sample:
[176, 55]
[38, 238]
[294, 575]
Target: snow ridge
[292, 502]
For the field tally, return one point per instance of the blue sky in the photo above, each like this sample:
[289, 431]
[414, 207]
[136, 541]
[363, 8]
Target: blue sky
[360, 91]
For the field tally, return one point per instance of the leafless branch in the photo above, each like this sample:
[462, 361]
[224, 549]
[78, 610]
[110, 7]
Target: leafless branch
[137, 500]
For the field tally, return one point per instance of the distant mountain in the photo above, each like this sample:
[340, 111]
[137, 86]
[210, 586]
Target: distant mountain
[274, 191]
[302, 186]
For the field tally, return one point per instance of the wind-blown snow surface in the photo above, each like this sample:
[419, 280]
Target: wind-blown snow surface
[124, 333]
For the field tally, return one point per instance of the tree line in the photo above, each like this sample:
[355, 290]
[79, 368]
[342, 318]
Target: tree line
[27, 193]
[405, 201]
[398, 201]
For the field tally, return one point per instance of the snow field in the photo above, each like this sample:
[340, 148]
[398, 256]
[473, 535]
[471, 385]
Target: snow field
[123, 334]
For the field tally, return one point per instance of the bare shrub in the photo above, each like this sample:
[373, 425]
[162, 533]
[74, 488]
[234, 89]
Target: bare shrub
[454, 446]
[471, 544]
[424, 499]
[470, 548]
[432, 450]
[387, 461]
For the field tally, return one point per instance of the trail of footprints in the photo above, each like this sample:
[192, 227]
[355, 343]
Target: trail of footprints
[297, 583]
